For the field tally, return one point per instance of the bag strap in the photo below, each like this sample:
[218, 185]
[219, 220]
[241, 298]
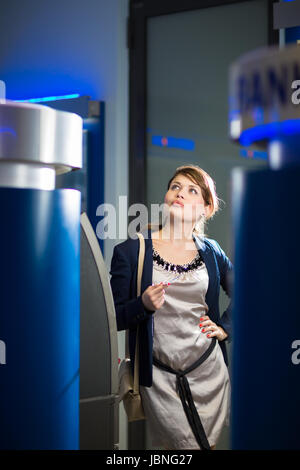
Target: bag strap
[139, 283]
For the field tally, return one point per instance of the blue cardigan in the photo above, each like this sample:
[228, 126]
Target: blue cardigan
[130, 310]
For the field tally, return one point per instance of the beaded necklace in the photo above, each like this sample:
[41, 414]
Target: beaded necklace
[179, 268]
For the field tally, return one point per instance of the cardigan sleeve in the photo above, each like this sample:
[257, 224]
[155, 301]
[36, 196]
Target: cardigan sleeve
[129, 311]
[226, 281]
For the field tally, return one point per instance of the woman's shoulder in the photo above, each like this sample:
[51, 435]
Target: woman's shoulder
[213, 244]
[129, 248]
[128, 245]
[210, 244]
[222, 258]
[133, 240]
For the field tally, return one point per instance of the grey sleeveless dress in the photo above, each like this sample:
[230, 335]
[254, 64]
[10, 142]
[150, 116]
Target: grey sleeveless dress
[178, 342]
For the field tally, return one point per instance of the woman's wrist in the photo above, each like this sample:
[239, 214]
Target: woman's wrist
[149, 312]
[224, 334]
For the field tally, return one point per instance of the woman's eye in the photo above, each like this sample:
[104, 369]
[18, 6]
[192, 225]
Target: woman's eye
[174, 186]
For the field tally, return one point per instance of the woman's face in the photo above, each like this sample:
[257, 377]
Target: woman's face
[184, 200]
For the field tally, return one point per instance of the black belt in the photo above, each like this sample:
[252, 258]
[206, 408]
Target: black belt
[186, 396]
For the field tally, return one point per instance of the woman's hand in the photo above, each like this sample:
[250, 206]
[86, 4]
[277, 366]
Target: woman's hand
[154, 296]
[212, 329]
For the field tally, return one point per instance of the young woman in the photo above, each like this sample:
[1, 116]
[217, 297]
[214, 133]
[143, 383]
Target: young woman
[184, 380]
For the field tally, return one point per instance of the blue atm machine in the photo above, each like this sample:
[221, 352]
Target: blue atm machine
[99, 410]
[58, 336]
[265, 111]
[40, 278]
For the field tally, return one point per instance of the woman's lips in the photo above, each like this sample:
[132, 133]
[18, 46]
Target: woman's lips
[178, 203]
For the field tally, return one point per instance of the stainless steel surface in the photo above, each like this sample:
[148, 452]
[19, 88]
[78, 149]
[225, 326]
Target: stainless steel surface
[253, 71]
[39, 134]
[99, 423]
[26, 175]
[2, 90]
[99, 414]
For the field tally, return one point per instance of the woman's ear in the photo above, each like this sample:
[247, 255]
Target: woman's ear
[207, 210]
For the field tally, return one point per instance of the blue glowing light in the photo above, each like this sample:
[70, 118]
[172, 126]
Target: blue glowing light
[254, 154]
[48, 98]
[173, 142]
[7, 130]
[270, 131]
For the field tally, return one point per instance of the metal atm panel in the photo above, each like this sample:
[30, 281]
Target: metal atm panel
[99, 412]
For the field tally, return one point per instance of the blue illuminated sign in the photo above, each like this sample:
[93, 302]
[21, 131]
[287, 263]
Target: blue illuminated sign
[173, 142]
[270, 131]
[255, 154]
[264, 90]
[48, 98]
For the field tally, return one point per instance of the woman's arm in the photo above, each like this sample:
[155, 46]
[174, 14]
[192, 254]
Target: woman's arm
[129, 312]
[226, 281]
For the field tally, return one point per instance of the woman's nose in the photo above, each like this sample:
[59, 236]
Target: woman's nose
[180, 193]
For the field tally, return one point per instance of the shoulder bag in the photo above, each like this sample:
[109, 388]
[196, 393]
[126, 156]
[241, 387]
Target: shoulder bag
[128, 385]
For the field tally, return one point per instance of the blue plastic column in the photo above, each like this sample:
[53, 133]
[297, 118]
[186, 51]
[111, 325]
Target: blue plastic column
[39, 318]
[266, 316]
